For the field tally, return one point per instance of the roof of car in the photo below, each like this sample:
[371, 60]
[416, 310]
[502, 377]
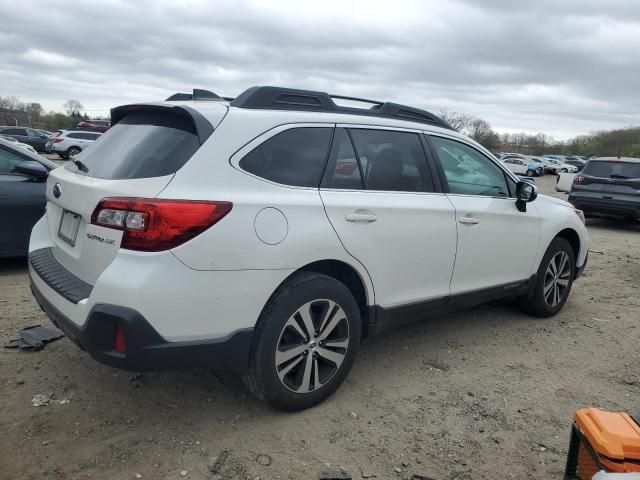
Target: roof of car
[295, 100]
[618, 159]
[80, 131]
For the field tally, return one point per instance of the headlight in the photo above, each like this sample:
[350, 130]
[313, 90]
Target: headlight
[580, 214]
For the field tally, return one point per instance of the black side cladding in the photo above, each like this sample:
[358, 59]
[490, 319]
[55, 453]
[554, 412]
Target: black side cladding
[198, 124]
[278, 98]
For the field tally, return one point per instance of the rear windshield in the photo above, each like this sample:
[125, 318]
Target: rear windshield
[612, 169]
[141, 145]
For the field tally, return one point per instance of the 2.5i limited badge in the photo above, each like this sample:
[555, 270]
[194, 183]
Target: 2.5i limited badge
[108, 241]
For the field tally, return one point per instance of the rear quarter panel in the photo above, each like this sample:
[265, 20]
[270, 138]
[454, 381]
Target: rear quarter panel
[233, 243]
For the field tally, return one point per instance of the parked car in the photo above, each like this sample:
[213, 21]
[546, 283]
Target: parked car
[30, 136]
[576, 162]
[18, 144]
[47, 133]
[71, 142]
[22, 196]
[522, 166]
[94, 125]
[552, 165]
[270, 234]
[608, 186]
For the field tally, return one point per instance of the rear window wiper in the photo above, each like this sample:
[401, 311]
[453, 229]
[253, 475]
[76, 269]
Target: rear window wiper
[81, 166]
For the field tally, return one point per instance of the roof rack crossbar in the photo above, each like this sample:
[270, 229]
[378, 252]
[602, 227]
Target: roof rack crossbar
[278, 98]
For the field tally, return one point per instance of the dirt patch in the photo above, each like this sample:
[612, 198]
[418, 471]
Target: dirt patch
[483, 393]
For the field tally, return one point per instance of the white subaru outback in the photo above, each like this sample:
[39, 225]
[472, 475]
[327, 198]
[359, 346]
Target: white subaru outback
[271, 233]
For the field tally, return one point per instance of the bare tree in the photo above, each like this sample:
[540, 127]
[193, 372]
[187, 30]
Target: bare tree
[457, 121]
[72, 108]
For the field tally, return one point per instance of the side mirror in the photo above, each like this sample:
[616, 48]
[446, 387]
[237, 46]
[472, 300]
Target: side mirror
[33, 169]
[525, 193]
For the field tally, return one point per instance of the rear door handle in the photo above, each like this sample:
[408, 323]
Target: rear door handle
[360, 217]
[468, 220]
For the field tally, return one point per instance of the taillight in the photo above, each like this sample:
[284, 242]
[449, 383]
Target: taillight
[152, 225]
[57, 140]
[577, 180]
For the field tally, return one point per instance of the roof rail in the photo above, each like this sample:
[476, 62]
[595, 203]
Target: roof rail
[197, 95]
[278, 98]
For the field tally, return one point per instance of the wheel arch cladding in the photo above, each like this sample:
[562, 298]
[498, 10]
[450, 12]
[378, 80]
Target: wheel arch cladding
[572, 237]
[347, 275]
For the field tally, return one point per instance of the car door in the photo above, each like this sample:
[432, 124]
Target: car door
[37, 139]
[497, 243]
[379, 195]
[22, 203]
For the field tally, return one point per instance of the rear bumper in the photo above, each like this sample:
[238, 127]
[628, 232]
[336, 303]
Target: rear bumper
[146, 349]
[607, 206]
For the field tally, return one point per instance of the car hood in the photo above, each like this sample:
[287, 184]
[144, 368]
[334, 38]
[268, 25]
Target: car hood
[556, 201]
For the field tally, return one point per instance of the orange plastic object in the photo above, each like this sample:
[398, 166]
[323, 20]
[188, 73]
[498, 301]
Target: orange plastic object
[615, 438]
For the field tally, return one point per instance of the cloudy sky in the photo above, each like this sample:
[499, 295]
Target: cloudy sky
[562, 67]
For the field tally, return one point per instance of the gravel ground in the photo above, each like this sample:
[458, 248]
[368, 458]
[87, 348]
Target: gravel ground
[483, 393]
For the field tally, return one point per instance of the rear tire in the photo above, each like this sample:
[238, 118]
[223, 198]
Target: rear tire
[71, 151]
[305, 342]
[553, 281]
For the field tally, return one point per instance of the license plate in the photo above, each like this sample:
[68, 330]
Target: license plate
[69, 225]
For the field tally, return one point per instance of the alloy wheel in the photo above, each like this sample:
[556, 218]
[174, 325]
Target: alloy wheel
[556, 279]
[312, 345]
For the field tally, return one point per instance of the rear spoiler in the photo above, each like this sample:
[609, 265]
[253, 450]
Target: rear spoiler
[201, 126]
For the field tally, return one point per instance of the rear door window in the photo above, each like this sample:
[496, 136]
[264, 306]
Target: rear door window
[343, 171]
[294, 157]
[141, 145]
[392, 161]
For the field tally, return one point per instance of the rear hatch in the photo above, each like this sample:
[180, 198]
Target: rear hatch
[136, 158]
[609, 179]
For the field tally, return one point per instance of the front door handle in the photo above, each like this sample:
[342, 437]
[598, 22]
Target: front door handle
[360, 217]
[468, 220]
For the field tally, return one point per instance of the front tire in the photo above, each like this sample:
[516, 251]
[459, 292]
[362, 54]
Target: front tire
[553, 281]
[306, 340]
[529, 173]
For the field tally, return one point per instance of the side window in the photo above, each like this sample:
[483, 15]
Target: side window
[469, 172]
[92, 136]
[75, 135]
[14, 131]
[343, 170]
[294, 157]
[8, 161]
[392, 161]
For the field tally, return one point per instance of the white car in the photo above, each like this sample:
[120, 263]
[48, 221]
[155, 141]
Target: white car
[521, 166]
[270, 234]
[16, 143]
[68, 143]
[556, 166]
